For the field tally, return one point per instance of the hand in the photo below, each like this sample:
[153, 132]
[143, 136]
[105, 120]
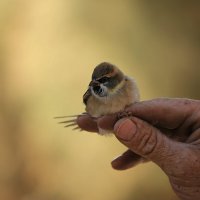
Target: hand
[165, 131]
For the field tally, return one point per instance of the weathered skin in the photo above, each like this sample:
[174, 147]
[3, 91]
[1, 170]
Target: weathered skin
[165, 131]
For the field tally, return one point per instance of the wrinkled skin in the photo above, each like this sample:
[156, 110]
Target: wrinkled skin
[165, 131]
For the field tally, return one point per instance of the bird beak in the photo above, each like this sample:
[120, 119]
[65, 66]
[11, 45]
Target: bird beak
[94, 83]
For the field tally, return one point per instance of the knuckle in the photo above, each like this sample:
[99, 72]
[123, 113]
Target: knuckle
[146, 140]
[148, 143]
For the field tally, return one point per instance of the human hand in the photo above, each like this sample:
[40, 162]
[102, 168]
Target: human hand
[165, 131]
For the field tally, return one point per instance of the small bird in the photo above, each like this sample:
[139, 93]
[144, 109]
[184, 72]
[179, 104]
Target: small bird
[109, 91]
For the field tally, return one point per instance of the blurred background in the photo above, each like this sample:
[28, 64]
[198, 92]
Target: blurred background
[48, 49]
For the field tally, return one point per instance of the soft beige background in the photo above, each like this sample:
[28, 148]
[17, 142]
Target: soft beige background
[48, 49]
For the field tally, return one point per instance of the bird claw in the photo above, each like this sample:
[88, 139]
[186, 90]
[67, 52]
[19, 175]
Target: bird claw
[124, 114]
[71, 122]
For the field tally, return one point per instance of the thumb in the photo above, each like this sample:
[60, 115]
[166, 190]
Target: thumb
[144, 139]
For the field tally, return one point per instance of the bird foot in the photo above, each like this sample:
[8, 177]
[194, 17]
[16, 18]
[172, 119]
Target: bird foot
[71, 122]
[124, 114]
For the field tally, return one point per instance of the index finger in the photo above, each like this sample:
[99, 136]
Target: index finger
[167, 113]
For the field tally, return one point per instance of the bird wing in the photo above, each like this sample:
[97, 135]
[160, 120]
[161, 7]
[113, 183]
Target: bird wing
[86, 96]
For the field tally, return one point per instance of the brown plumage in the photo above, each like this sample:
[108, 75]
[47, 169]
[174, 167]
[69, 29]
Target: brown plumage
[114, 91]
[109, 91]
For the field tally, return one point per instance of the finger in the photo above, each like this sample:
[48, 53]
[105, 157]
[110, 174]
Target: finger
[87, 123]
[107, 122]
[164, 112]
[146, 140]
[127, 160]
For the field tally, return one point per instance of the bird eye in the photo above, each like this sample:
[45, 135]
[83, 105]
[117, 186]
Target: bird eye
[104, 79]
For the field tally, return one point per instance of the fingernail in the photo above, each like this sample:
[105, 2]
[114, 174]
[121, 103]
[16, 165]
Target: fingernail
[125, 129]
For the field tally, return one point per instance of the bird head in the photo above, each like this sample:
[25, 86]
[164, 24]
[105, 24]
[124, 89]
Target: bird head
[107, 79]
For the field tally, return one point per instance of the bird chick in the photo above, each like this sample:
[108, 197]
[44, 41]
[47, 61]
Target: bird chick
[109, 91]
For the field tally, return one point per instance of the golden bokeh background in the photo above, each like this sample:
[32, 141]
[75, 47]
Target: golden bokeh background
[48, 49]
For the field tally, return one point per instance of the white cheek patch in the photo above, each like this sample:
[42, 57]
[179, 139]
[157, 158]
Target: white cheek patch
[105, 90]
[117, 87]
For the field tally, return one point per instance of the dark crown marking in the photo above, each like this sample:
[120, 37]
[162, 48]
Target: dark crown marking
[103, 69]
[107, 72]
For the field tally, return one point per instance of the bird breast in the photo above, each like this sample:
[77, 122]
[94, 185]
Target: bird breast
[116, 102]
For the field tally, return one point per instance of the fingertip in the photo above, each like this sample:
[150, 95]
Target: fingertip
[127, 160]
[86, 122]
[125, 129]
[117, 165]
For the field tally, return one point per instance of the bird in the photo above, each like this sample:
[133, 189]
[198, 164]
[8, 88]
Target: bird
[109, 91]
